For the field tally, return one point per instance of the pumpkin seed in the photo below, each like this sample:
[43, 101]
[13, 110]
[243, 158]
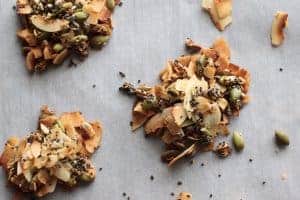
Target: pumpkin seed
[80, 16]
[58, 47]
[235, 94]
[282, 138]
[238, 141]
[99, 40]
[110, 4]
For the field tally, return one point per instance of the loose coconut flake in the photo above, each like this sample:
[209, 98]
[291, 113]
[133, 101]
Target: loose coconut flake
[280, 22]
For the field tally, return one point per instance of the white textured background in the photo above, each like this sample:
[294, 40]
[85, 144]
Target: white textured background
[146, 34]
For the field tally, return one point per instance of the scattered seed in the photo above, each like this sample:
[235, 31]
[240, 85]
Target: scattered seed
[14, 7]
[179, 183]
[264, 182]
[124, 194]
[139, 81]
[100, 169]
[282, 138]
[172, 194]
[121, 3]
[219, 175]
[250, 159]
[191, 162]
[202, 164]
[280, 69]
[211, 195]
[151, 177]
[122, 74]
[238, 141]
[94, 86]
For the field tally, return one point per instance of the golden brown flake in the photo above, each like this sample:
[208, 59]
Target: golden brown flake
[58, 152]
[220, 12]
[184, 196]
[280, 22]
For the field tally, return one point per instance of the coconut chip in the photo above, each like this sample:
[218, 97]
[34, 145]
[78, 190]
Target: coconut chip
[194, 102]
[184, 196]
[220, 12]
[63, 28]
[280, 22]
[58, 151]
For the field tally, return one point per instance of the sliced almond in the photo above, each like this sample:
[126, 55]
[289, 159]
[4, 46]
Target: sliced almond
[280, 22]
[35, 149]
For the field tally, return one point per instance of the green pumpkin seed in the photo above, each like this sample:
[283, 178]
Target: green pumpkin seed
[282, 138]
[238, 141]
[99, 40]
[79, 38]
[58, 47]
[80, 16]
[110, 4]
[235, 94]
[67, 5]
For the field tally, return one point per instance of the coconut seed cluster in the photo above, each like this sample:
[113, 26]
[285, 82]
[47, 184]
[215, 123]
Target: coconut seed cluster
[194, 102]
[54, 29]
[58, 151]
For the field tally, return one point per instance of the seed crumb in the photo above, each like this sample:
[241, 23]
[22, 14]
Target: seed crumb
[122, 74]
[151, 177]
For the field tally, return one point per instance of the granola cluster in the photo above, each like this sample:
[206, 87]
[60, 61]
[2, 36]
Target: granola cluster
[193, 103]
[58, 152]
[54, 29]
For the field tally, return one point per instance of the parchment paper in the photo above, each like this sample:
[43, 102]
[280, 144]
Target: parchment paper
[147, 33]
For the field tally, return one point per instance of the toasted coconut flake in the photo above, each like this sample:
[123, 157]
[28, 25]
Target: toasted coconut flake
[184, 196]
[219, 11]
[36, 149]
[23, 7]
[27, 37]
[280, 22]
[187, 152]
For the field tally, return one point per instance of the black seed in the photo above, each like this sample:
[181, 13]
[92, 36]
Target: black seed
[172, 194]
[94, 86]
[124, 194]
[202, 164]
[122, 74]
[100, 169]
[121, 3]
[280, 69]
[151, 177]
[211, 195]
[139, 81]
[250, 160]
[219, 175]
[179, 183]
[264, 182]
